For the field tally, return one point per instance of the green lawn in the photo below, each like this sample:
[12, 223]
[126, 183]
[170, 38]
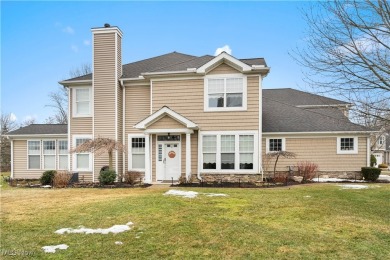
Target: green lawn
[320, 221]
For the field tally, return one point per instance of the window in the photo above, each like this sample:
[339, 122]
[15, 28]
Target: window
[138, 152]
[347, 145]
[228, 93]
[381, 141]
[82, 101]
[275, 145]
[63, 154]
[82, 161]
[246, 151]
[49, 155]
[210, 152]
[34, 154]
[229, 151]
[137, 149]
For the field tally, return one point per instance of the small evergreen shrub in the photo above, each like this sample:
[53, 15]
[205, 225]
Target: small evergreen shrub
[61, 179]
[372, 160]
[371, 173]
[132, 177]
[383, 166]
[107, 177]
[47, 177]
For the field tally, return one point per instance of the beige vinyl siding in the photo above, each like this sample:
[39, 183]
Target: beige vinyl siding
[322, 151]
[186, 98]
[137, 107]
[223, 69]
[166, 123]
[21, 170]
[105, 83]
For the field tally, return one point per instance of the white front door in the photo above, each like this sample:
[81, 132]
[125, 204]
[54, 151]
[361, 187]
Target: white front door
[379, 158]
[168, 161]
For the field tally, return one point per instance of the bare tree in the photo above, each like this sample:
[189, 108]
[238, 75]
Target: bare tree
[27, 122]
[347, 53]
[278, 154]
[59, 98]
[100, 145]
[7, 125]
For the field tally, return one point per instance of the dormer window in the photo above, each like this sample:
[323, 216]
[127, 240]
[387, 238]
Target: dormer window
[225, 93]
[82, 102]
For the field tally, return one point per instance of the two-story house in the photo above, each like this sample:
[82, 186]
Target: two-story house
[183, 115]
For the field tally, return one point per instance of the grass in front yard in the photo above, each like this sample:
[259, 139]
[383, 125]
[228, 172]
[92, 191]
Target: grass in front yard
[314, 221]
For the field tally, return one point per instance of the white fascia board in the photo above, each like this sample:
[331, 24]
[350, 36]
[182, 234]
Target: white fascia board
[24, 137]
[319, 133]
[162, 73]
[161, 113]
[172, 131]
[221, 57]
[69, 83]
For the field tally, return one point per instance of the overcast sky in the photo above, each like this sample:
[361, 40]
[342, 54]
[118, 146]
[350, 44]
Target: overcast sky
[41, 42]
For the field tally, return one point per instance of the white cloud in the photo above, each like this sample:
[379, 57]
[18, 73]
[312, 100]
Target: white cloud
[225, 48]
[74, 48]
[30, 117]
[68, 29]
[13, 117]
[87, 42]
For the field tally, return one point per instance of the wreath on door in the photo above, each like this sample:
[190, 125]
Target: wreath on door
[172, 154]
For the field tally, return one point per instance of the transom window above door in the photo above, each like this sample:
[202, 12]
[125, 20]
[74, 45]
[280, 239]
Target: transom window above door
[225, 93]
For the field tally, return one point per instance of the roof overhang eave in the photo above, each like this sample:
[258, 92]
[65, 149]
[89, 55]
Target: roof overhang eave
[66, 83]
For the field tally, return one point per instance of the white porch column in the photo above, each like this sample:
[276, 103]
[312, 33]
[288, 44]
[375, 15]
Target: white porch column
[148, 172]
[188, 156]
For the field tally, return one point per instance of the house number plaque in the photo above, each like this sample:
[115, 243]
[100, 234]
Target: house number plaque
[172, 154]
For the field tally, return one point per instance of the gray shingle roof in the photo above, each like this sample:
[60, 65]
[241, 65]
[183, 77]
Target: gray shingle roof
[173, 61]
[282, 115]
[41, 129]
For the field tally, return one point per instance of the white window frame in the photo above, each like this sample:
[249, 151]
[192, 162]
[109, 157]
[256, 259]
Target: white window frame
[40, 154]
[74, 105]
[74, 157]
[267, 144]
[381, 140]
[355, 145]
[59, 154]
[236, 152]
[130, 157]
[222, 109]
[44, 155]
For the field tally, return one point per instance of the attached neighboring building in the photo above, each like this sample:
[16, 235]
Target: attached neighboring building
[184, 115]
[381, 146]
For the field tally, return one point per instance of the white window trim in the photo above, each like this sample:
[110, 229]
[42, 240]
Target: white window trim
[43, 154]
[74, 157]
[74, 112]
[40, 154]
[130, 157]
[224, 109]
[355, 145]
[267, 144]
[236, 152]
[58, 154]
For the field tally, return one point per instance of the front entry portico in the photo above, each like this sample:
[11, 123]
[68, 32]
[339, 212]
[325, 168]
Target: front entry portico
[163, 131]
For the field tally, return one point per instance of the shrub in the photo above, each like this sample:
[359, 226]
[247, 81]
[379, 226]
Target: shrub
[372, 160]
[47, 177]
[383, 165]
[132, 177]
[371, 173]
[61, 179]
[307, 170]
[280, 177]
[107, 177]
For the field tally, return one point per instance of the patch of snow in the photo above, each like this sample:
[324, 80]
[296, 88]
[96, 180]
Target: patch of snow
[353, 186]
[335, 180]
[118, 243]
[307, 196]
[52, 249]
[215, 194]
[114, 229]
[185, 194]
[46, 186]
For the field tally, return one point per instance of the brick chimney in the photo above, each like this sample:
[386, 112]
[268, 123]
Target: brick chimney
[107, 93]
